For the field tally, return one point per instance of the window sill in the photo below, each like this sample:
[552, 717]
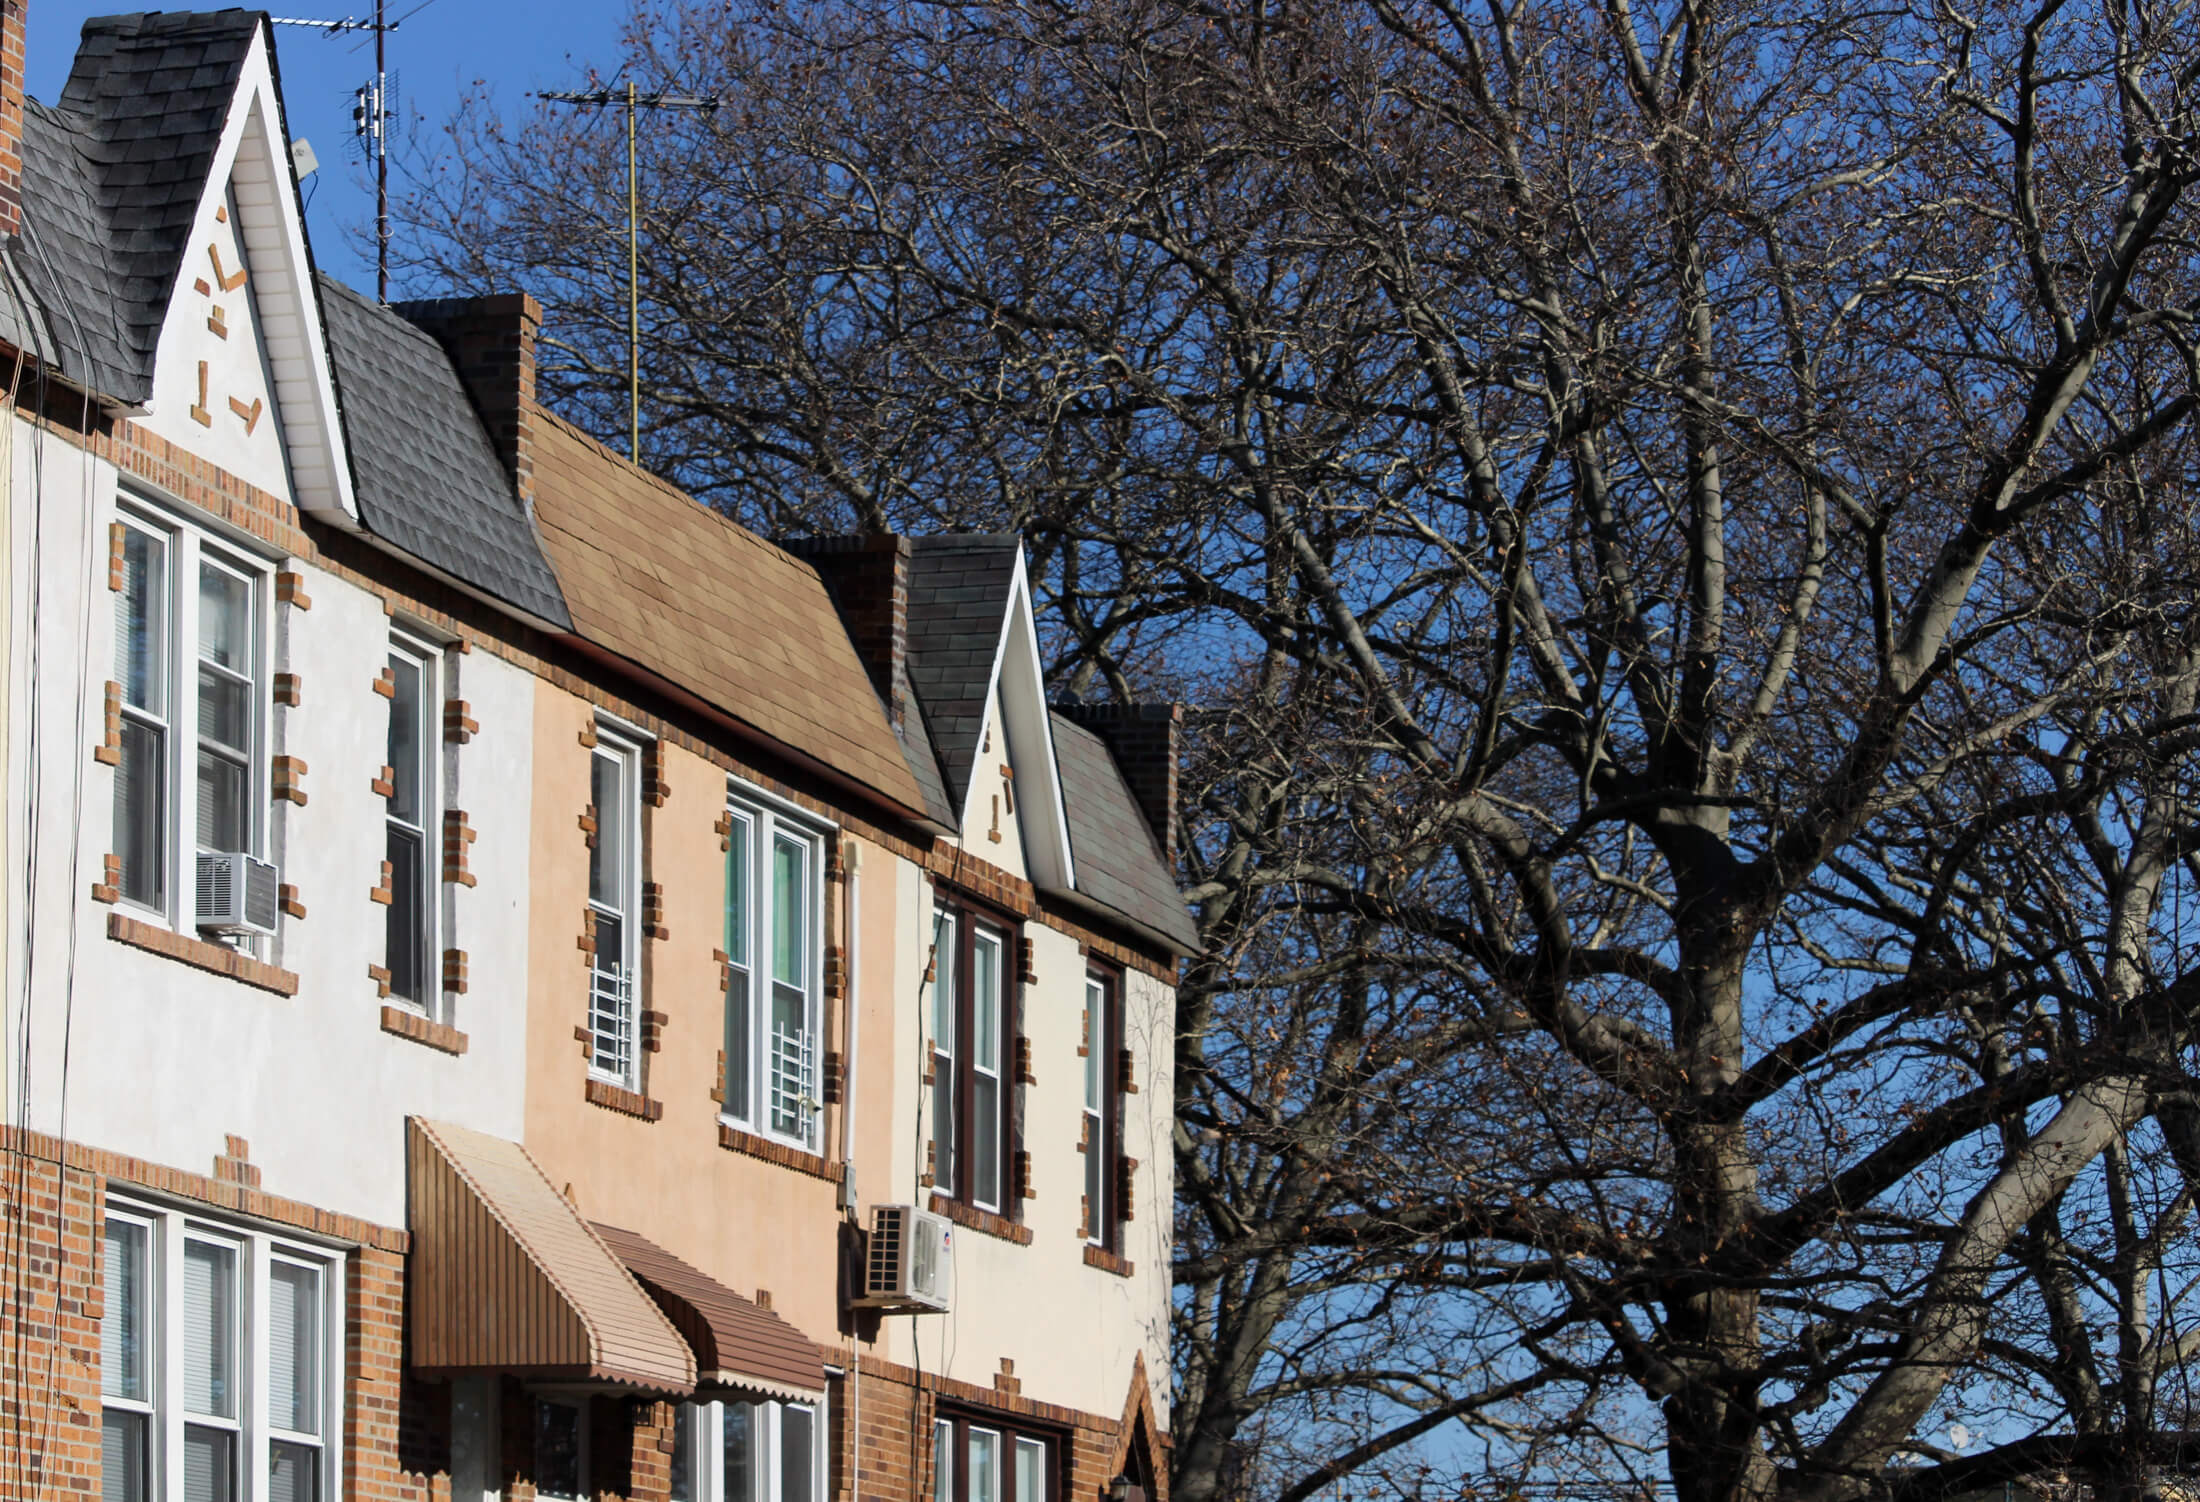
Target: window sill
[626, 1102]
[219, 959]
[734, 1140]
[438, 1035]
[1108, 1262]
[985, 1222]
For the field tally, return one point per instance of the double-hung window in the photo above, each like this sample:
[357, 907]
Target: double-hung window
[1101, 1137]
[748, 1452]
[972, 1042]
[615, 900]
[217, 1359]
[774, 962]
[410, 816]
[976, 1458]
[191, 665]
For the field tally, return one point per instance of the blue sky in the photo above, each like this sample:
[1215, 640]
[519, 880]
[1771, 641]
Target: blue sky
[447, 48]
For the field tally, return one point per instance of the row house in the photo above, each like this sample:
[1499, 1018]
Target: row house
[516, 986]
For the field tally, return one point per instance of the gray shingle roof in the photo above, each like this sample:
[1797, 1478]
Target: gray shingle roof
[1119, 865]
[429, 480]
[113, 178]
[958, 603]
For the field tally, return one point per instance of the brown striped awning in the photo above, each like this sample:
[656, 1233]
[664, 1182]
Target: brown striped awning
[505, 1276]
[737, 1342]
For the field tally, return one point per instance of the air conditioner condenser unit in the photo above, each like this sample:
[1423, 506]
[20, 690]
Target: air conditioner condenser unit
[237, 893]
[909, 1266]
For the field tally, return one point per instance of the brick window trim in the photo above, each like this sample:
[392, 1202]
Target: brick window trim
[1109, 1262]
[752, 1145]
[403, 1023]
[218, 959]
[626, 1102]
[984, 1222]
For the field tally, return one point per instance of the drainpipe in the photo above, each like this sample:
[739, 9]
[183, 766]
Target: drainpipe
[851, 912]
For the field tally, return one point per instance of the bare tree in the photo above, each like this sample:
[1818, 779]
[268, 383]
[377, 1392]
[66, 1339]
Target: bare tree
[1679, 521]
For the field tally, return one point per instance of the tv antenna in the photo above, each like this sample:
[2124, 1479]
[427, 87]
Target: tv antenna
[630, 101]
[370, 120]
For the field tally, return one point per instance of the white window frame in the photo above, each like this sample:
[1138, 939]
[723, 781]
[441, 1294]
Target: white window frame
[168, 1230]
[756, 827]
[614, 980]
[706, 1479]
[981, 1160]
[427, 659]
[953, 1472]
[1098, 1071]
[945, 1028]
[188, 548]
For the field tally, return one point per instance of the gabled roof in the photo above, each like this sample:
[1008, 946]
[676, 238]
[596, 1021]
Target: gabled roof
[429, 480]
[959, 589]
[1119, 864]
[113, 178]
[653, 576]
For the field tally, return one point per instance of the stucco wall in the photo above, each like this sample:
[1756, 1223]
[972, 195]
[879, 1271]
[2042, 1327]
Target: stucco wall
[150, 1057]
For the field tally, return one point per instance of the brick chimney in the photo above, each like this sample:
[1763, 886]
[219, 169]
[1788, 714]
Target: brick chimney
[11, 116]
[869, 581]
[1143, 739]
[491, 340]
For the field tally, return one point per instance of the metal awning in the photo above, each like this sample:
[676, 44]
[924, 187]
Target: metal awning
[737, 1342]
[505, 1276]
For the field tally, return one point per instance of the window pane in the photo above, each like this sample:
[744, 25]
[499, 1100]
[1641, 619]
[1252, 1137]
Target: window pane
[225, 709]
[737, 1043]
[122, 1457]
[985, 1000]
[737, 891]
[737, 1457]
[943, 984]
[141, 621]
[293, 1471]
[943, 1125]
[557, 1449]
[294, 1348]
[797, 1454]
[611, 1001]
[984, 1463]
[1096, 1181]
[985, 1139]
[221, 802]
[1031, 1471]
[225, 619]
[122, 1327]
[209, 1464]
[141, 787]
[209, 1329]
[790, 910]
[1096, 1039]
[683, 1453]
[943, 1461]
[790, 1062]
[405, 925]
[607, 863]
[404, 749]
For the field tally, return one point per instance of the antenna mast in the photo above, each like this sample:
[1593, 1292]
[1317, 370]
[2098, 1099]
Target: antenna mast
[370, 120]
[630, 102]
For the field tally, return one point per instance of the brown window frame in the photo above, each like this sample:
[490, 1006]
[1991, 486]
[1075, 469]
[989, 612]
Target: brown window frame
[967, 918]
[1011, 1428]
[1108, 1235]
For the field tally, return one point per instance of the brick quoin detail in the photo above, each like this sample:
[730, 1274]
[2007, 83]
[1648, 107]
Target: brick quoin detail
[290, 774]
[109, 887]
[288, 688]
[459, 725]
[108, 752]
[458, 837]
[116, 574]
[287, 898]
[385, 683]
[380, 892]
[653, 911]
[290, 589]
[454, 971]
[384, 782]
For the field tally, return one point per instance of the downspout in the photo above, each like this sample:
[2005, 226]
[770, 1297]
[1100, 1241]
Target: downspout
[851, 911]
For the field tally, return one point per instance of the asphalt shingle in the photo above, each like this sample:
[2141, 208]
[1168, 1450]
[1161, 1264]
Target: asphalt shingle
[1119, 865]
[428, 478]
[958, 606]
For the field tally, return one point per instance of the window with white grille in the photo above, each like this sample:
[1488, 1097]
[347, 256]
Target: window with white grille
[218, 1347]
[774, 945]
[615, 900]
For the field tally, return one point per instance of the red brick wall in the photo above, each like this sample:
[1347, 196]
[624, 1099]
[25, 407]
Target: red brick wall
[50, 1307]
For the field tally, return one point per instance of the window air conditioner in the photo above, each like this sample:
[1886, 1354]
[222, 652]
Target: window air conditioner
[236, 893]
[909, 1267]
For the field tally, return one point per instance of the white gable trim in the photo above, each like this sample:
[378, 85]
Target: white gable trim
[1021, 686]
[256, 160]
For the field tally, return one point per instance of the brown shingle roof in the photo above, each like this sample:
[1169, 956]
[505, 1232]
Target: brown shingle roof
[737, 1342]
[658, 579]
[506, 1275]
